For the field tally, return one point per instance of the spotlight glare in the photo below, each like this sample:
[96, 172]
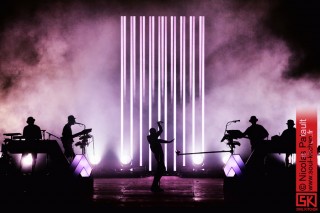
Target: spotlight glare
[197, 159]
[94, 160]
[26, 161]
[293, 158]
[225, 157]
[125, 159]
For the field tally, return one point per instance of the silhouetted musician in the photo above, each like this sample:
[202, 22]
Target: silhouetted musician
[67, 137]
[257, 135]
[284, 143]
[288, 140]
[31, 133]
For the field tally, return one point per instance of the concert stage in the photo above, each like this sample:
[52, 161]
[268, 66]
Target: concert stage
[57, 187]
[205, 194]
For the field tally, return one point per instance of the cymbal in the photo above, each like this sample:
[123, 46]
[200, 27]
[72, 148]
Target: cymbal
[11, 134]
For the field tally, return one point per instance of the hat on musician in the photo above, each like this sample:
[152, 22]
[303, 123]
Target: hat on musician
[290, 122]
[253, 119]
[71, 118]
[30, 120]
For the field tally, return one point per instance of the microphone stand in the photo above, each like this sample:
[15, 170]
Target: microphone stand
[193, 153]
[230, 143]
[43, 134]
[81, 124]
[50, 134]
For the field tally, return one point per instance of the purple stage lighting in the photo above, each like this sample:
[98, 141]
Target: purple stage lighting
[81, 166]
[234, 166]
[26, 161]
[162, 78]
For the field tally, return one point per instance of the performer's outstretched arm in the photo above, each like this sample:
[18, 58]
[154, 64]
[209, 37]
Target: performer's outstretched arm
[160, 128]
[165, 141]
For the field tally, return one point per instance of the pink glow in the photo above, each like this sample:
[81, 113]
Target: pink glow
[165, 70]
[141, 83]
[73, 67]
[183, 53]
[174, 85]
[122, 80]
[202, 78]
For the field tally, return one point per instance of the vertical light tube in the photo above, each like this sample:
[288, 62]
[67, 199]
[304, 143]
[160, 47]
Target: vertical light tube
[152, 56]
[141, 83]
[203, 78]
[165, 92]
[190, 57]
[134, 54]
[174, 86]
[200, 75]
[171, 59]
[162, 77]
[193, 91]
[124, 55]
[121, 81]
[159, 67]
[183, 34]
[132, 72]
[151, 79]
[181, 57]
[190, 78]
[200, 57]
[144, 56]
[162, 55]
[181, 71]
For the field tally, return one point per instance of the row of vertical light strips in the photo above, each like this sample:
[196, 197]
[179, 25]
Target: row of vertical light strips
[162, 74]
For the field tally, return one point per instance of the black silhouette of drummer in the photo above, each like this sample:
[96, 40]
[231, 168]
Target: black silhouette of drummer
[256, 133]
[31, 133]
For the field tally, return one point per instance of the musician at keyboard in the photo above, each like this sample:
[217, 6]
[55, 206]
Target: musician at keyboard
[67, 138]
[256, 134]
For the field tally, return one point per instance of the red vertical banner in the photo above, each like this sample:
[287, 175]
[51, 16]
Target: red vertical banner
[306, 160]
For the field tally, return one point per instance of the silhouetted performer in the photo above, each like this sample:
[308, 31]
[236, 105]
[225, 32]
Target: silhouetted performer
[67, 138]
[156, 148]
[288, 140]
[32, 133]
[256, 134]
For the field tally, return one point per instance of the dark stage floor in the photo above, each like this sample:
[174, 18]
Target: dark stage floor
[193, 193]
[180, 193]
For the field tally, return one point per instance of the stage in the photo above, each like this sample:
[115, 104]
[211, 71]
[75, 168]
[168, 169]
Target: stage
[58, 186]
[207, 194]
[178, 192]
